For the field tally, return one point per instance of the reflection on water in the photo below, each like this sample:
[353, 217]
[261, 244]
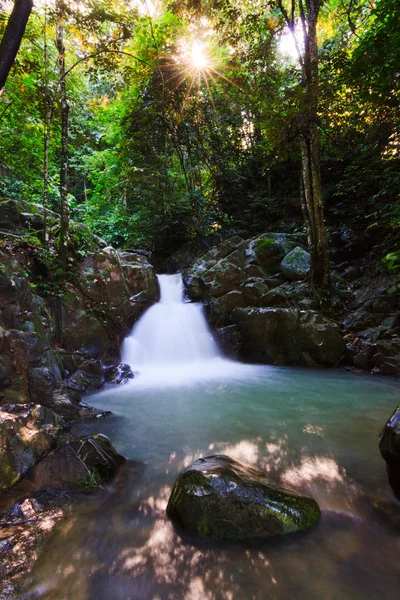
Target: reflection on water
[312, 432]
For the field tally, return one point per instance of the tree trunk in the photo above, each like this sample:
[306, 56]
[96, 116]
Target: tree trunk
[64, 211]
[309, 143]
[12, 37]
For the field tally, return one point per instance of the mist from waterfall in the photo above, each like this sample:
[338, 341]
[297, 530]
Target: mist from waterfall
[172, 343]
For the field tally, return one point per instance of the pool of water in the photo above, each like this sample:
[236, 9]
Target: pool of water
[313, 431]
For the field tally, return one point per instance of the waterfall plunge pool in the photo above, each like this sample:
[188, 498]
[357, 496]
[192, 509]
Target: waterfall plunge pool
[313, 431]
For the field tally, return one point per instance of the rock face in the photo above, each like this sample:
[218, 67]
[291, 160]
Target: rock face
[26, 433]
[114, 289]
[389, 446]
[220, 498]
[288, 336]
[86, 462]
[91, 313]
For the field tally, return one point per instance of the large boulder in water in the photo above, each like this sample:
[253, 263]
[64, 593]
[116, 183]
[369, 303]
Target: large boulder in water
[389, 446]
[220, 498]
[288, 336]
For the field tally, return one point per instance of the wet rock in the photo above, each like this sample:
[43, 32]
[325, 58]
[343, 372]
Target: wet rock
[281, 335]
[86, 462]
[387, 356]
[229, 339]
[83, 331]
[296, 265]
[220, 309]
[25, 436]
[88, 378]
[118, 374]
[389, 446]
[114, 289]
[68, 362]
[360, 320]
[255, 289]
[217, 272]
[267, 251]
[45, 388]
[373, 334]
[220, 498]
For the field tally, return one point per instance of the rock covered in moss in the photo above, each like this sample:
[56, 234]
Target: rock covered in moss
[220, 498]
[296, 265]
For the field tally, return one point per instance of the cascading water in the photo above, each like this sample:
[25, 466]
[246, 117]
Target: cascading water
[171, 342]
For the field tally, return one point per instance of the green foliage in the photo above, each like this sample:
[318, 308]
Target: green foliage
[160, 154]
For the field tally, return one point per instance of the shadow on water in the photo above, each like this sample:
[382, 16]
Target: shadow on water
[122, 546]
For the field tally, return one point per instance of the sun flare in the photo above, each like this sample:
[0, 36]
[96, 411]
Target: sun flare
[198, 56]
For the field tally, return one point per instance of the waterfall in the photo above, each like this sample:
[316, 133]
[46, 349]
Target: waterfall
[172, 339]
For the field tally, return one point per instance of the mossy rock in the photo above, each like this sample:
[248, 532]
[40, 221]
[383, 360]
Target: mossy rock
[220, 498]
[296, 265]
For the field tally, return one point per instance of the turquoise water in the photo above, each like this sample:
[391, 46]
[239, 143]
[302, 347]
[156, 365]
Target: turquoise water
[314, 431]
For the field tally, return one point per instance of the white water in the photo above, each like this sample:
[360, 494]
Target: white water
[171, 344]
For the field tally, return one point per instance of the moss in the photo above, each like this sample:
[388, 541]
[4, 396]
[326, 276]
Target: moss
[93, 480]
[264, 244]
[8, 474]
[202, 527]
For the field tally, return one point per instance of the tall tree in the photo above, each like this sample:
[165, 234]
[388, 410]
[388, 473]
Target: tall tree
[12, 37]
[64, 209]
[303, 14]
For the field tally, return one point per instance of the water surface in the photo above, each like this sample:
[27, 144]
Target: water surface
[314, 431]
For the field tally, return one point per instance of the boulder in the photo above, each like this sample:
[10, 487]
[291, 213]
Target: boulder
[389, 446]
[85, 462]
[112, 293]
[27, 432]
[296, 265]
[217, 272]
[282, 336]
[220, 498]
[268, 249]
[267, 252]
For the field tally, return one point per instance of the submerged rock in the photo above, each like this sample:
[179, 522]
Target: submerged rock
[389, 446]
[220, 498]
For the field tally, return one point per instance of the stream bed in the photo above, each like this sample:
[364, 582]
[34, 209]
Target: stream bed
[314, 431]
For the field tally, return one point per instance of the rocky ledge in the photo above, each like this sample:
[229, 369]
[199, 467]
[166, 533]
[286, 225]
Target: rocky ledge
[258, 299]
